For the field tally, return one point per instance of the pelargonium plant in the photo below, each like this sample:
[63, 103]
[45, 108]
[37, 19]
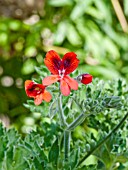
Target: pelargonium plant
[76, 106]
[59, 68]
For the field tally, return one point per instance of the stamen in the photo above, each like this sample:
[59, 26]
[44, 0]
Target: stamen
[37, 88]
[61, 73]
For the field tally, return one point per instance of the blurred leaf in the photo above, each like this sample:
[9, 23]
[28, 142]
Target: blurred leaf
[108, 73]
[57, 3]
[101, 6]
[111, 48]
[30, 51]
[3, 26]
[95, 13]
[3, 38]
[15, 25]
[60, 34]
[28, 66]
[126, 7]
[72, 35]
[3, 104]
[80, 9]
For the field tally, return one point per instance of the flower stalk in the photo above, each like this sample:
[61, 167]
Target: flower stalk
[61, 113]
[67, 133]
[67, 136]
[76, 122]
[79, 119]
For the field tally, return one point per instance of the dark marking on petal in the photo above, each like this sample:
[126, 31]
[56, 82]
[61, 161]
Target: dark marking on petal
[67, 63]
[57, 63]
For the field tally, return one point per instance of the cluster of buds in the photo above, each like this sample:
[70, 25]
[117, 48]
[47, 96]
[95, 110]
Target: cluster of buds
[60, 70]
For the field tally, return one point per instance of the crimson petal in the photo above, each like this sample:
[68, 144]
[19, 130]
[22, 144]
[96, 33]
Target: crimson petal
[53, 62]
[70, 62]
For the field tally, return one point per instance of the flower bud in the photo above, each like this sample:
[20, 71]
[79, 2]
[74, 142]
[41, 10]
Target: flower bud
[85, 78]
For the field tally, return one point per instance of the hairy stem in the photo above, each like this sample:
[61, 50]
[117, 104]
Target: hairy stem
[104, 140]
[66, 132]
[76, 122]
[61, 113]
[79, 119]
[66, 143]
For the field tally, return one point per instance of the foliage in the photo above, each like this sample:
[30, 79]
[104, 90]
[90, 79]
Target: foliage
[89, 28]
[98, 142]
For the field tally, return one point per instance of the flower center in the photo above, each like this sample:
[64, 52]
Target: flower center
[61, 73]
[38, 90]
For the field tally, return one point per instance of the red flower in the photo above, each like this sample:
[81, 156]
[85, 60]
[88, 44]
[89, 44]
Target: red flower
[60, 68]
[37, 91]
[85, 78]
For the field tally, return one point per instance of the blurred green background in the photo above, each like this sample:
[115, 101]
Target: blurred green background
[96, 30]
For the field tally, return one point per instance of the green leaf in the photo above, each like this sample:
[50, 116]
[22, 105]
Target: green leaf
[73, 159]
[15, 25]
[3, 38]
[123, 157]
[15, 158]
[2, 129]
[112, 102]
[28, 67]
[113, 151]
[3, 148]
[57, 3]
[54, 152]
[95, 13]
[80, 9]
[42, 71]
[33, 108]
[107, 73]
[13, 137]
[35, 142]
[73, 36]
[30, 51]
[101, 6]
[126, 7]
[60, 34]
[53, 109]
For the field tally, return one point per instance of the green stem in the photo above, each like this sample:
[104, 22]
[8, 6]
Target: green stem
[104, 140]
[62, 117]
[76, 122]
[66, 132]
[66, 143]
[79, 119]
